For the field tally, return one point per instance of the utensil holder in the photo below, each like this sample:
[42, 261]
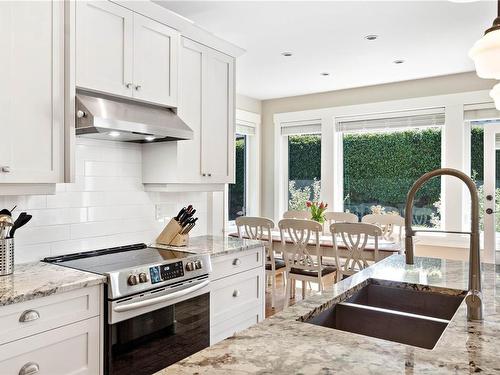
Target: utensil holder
[171, 235]
[6, 256]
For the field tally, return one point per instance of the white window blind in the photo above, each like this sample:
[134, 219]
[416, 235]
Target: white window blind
[245, 127]
[481, 113]
[301, 127]
[394, 121]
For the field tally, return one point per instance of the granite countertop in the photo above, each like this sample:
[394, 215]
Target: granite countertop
[215, 245]
[35, 280]
[283, 344]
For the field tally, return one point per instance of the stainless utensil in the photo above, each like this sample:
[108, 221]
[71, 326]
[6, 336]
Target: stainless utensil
[5, 223]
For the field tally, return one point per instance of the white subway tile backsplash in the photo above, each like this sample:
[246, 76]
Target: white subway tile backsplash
[57, 216]
[111, 169]
[119, 212]
[105, 207]
[76, 199]
[30, 235]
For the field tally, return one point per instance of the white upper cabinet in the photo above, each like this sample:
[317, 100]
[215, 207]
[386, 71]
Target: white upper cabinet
[190, 110]
[217, 131]
[123, 53]
[206, 104]
[31, 100]
[104, 42]
[155, 61]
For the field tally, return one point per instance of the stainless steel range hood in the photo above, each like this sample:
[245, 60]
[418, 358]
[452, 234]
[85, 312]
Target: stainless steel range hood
[110, 118]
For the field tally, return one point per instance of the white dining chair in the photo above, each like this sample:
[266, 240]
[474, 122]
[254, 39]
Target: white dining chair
[338, 217]
[295, 214]
[354, 238]
[259, 228]
[300, 241]
[388, 223]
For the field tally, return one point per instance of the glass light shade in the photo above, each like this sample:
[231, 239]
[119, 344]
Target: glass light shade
[486, 55]
[495, 94]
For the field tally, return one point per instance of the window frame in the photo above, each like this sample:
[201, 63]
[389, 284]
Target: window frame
[340, 146]
[252, 121]
[453, 149]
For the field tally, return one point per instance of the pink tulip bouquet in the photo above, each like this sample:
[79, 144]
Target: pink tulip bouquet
[317, 211]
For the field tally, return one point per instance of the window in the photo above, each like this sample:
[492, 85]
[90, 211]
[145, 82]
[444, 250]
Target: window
[383, 157]
[304, 170]
[243, 197]
[238, 190]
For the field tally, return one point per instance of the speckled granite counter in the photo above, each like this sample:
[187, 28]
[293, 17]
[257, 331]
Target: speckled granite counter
[285, 345]
[216, 245]
[35, 280]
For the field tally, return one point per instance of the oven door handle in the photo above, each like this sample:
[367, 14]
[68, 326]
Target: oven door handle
[153, 301]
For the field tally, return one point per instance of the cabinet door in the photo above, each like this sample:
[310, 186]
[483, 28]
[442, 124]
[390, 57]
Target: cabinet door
[104, 42]
[155, 61]
[190, 110]
[217, 131]
[31, 100]
[72, 349]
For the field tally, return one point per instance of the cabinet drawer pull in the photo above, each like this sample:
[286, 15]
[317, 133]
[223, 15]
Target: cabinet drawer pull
[236, 262]
[137, 88]
[128, 85]
[29, 368]
[204, 174]
[5, 169]
[210, 175]
[29, 316]
[236, 293]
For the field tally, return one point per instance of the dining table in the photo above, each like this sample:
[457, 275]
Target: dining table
[386, 247]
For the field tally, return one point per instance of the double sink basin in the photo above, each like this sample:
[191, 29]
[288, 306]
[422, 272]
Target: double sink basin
[406, 313]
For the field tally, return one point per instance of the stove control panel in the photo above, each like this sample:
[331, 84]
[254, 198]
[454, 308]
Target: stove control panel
[166, 272]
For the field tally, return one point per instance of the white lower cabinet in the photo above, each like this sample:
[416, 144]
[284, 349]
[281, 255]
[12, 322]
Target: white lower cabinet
[237, 298]
[71, 349]
[54, 335]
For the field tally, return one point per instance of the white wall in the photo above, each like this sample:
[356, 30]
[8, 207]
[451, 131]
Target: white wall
[105, 207]
[249, 104]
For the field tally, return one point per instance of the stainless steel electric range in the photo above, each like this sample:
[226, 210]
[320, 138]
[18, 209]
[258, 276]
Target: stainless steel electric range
[156, 304]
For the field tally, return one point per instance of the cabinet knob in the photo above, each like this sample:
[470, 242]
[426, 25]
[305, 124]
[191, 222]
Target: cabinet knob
[128, 85]
[5, 169]
[137, 88]
[203, 174]
[236, 293]
[210, 175]
[80, 113]
[29, 368]
[236, 262]
[29, 316]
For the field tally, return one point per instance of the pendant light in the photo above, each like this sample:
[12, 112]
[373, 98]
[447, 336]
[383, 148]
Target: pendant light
[486, 52]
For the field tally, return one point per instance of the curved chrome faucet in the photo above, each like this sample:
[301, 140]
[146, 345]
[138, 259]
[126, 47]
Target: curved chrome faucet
[474, 296]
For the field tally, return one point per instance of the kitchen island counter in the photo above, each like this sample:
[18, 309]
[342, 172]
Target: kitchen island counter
[283, 344]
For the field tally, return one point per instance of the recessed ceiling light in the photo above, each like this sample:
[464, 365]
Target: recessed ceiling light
[114, 134]
[371, 37]
[397, 62]
[324, 74]
[287, 54]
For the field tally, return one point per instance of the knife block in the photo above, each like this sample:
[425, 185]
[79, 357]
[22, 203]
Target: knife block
[171, 235]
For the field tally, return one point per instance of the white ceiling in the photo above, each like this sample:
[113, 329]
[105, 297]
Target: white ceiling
[433, 37]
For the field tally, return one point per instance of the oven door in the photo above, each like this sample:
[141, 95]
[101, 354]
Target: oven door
[158, 330]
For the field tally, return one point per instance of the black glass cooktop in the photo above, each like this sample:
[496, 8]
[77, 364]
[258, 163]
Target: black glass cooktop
[117, 258]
